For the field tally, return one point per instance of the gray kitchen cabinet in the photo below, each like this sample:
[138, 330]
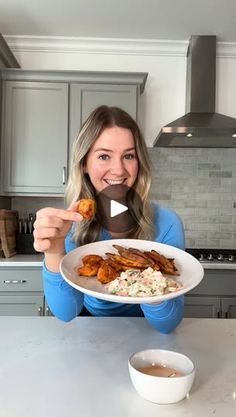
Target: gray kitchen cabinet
[21, 291]
[21, 305]
[34, 144]
[87, 97]
[228, 307]
[202, 307]
[42, 112]
[214, 297]
[210, 307]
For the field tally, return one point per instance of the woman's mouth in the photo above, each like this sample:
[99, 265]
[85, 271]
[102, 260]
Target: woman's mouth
[115, 182]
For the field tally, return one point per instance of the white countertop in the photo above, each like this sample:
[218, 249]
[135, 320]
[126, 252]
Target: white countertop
[51, 368]
[22, 260]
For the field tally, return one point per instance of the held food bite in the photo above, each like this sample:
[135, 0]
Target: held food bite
[87, 208]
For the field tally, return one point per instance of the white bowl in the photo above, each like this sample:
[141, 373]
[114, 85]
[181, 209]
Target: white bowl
[158, 389]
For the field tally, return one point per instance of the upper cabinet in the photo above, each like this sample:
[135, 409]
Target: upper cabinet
[35, 128]
[42, 112]
[7, 59]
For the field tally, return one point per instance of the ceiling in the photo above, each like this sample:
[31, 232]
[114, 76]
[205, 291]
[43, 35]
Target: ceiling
[132, 19]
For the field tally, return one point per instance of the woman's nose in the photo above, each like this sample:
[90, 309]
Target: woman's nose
[117, 166]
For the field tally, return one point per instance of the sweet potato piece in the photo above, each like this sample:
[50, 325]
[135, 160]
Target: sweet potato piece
[106, 273]
[92, 260]
[127, 262]
[88, 270]
[133, 255]
[91, 264]
[167, 265]
[87, 208]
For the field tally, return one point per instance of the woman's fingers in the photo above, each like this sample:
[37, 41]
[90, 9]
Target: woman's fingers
[42, 245]
[50, 218]
[49, 222]
[51, 227]
[47, 232]
[68, 215]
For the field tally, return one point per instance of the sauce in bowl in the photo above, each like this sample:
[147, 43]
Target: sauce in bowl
[161, 371]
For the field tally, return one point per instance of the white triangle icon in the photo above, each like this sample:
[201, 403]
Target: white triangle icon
[117, 208]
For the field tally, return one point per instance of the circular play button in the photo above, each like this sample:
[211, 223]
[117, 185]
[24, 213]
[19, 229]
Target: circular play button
[119, 208]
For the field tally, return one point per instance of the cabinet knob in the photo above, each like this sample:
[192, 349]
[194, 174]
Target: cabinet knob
[40, 310]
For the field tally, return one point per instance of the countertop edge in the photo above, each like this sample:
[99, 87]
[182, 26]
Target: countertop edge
[37, 260]
[22, 260]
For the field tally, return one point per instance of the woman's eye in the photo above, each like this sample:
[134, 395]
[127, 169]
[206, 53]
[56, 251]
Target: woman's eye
[103, 157]
[129, 156]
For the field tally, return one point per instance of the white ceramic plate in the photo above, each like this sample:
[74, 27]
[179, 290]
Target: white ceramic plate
[190, 269]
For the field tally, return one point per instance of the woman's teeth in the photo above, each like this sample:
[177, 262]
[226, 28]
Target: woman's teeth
[114, 182]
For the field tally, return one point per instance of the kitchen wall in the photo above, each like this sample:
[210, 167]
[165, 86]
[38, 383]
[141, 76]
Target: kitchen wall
[200, 185]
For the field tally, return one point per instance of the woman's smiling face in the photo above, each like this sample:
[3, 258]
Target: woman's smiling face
[112, 159]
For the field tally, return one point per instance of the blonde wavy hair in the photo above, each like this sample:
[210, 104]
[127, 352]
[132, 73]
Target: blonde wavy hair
[79, 184]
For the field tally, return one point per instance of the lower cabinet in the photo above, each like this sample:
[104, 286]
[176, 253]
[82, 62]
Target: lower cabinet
[214, 297]
[228, 307]
[21, 292]
[214, 307]
[21, 305]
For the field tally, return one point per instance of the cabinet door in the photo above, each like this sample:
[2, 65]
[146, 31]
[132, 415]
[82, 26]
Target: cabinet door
[228, 306]
[202, 307]
[84, 98]
[21, 305]
[20, 279]
[35, 137]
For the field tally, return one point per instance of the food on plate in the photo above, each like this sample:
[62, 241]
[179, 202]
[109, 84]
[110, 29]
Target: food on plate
[166, 265]
[106, 273]
[88, 270]
[87, 208]
[146, 283]
[92, 259]
[132, 272]
[91, 265]
[127, 262]
[134, 254]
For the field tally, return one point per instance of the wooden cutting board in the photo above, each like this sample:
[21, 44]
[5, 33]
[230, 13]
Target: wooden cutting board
[8, 230]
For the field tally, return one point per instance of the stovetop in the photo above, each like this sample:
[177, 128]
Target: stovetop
[207, 255]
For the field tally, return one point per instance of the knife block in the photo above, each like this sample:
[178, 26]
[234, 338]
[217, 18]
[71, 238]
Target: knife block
[25, 244]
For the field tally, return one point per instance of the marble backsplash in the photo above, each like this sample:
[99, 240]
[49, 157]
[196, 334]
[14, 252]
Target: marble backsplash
[199, 184]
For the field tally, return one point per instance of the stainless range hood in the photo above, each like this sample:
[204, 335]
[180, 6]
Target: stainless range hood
[201, 127]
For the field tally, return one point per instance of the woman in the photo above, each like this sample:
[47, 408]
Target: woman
[109, 150]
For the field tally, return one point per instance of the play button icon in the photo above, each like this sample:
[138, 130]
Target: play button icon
[119, 208]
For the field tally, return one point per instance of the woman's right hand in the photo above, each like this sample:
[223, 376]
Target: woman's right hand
[50, 229]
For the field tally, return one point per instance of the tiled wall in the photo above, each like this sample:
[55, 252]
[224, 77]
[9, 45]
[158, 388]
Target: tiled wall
[200, 185]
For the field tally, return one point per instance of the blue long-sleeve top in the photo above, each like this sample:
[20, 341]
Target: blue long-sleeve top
[66, 302]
